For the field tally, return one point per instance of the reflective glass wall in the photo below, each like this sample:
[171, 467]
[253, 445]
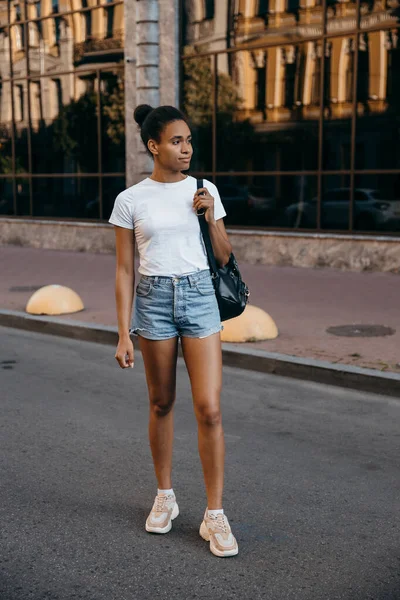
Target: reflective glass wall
[62, 146]
[295, 110]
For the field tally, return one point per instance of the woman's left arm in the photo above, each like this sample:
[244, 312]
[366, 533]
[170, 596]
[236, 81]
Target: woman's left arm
[220, 243]
[219, 238]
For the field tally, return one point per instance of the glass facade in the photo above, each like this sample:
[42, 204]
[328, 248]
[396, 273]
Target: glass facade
[295, 110]
[62, 123]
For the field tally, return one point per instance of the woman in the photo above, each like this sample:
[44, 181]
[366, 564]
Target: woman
[174, 299]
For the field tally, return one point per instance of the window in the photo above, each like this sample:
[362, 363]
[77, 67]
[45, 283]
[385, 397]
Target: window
[109, 21]
[36, 102]
[293, 5]
[316, 82]
[58, 94]
[18, 13]
[37, 10]
[87, 25]
[263, 7]
[57, 29]
[261, 89]
[301, 60]
[19, 100]
[54, 6]
[290, 84]
[209, 9]
[363, 70]
[349, 71]
[19, 29]
[327, 77]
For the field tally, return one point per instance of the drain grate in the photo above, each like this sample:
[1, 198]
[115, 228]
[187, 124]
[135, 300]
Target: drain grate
[25, 288]
[361, 330]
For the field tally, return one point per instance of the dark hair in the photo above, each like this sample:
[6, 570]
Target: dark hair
[152, 121]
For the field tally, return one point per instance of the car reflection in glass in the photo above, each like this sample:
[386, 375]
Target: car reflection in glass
[372, 211]
[262, 206]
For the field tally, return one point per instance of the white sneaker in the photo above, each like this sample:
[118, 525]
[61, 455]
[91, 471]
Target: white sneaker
[165, 510]
[217, 531]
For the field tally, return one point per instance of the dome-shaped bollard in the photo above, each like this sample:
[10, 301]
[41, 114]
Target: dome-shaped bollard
[253, 325]
[54, 300]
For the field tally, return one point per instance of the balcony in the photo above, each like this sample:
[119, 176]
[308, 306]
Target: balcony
[95, 49]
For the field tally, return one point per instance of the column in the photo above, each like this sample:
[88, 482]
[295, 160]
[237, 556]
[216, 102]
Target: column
[151, 74]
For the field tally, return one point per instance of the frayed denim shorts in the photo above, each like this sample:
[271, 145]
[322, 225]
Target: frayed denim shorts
[167, 307]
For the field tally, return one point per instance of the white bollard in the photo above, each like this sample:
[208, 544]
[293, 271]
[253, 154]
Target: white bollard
[54, 300]
[253, 325]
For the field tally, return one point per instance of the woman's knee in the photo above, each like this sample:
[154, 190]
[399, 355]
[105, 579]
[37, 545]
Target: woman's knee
[161, 406]
[209, 416]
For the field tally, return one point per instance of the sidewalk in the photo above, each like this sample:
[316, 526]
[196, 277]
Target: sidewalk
[303, 302]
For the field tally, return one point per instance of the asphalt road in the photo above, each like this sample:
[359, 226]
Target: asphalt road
[312, 485]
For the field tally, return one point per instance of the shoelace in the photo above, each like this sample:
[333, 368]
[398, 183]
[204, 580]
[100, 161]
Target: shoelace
[221, 522]
[160, 503]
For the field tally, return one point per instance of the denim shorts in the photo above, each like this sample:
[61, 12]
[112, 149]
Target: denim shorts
[167, 307]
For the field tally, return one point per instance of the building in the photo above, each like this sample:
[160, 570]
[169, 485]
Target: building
[61, 107]
[294, 106]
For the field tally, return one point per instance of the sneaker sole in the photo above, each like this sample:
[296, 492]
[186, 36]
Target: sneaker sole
[168, 527]
[221, 554]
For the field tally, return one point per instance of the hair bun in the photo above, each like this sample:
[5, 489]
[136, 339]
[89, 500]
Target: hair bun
[141, 113]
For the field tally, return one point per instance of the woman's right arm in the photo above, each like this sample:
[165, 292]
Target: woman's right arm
[124, 287]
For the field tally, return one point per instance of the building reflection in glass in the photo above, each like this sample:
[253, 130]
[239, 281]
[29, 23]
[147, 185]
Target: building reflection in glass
[299, 94]
[62, 99]
[295, 112]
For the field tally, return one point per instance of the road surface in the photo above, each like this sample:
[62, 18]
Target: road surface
[312, 485]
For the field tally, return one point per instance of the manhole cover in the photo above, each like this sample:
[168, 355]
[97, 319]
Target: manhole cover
[25, 288]
[361, 330]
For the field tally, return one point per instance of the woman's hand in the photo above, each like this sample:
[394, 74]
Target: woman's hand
[125, 353]
[203, 201]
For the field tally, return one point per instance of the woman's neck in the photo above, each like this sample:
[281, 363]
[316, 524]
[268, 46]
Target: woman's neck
[166, 176]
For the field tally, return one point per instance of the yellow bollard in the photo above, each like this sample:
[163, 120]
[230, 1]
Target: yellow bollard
[54, 300]
[253, 325]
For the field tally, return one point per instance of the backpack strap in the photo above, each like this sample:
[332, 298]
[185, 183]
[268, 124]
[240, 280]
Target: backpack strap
[206, 238]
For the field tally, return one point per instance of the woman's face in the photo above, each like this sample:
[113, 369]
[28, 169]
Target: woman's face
[174, 150]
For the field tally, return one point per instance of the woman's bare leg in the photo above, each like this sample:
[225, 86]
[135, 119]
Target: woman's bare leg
[203, 358]
[160, 364]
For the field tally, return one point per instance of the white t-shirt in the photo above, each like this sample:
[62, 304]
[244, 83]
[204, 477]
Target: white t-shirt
[166, 227]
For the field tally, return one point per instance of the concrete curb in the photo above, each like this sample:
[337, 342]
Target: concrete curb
[234, 355]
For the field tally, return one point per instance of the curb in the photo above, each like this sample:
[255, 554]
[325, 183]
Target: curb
[234, 355]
